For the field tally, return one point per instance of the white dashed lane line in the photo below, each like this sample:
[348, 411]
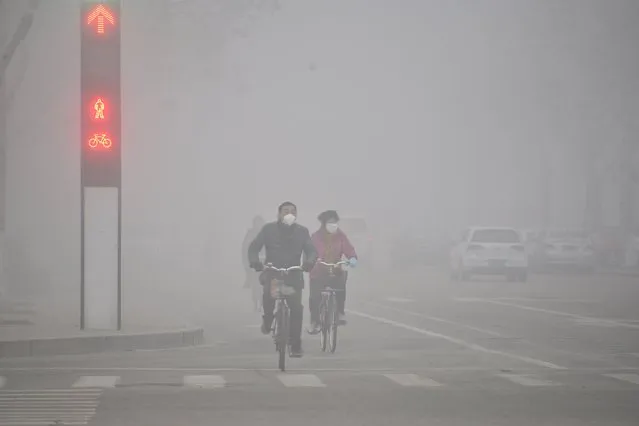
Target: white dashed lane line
[527, 380]
[210, 381]
[300, 381]
[581, 319]
[625, 377]
[460, 342]
[412, 380]
[437, 319]
[96, 382]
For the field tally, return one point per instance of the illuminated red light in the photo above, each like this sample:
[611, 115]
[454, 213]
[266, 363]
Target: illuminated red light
[99, 14]
[98, 109]
[100, 139]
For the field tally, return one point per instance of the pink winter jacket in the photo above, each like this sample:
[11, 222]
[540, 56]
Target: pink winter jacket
[330, 248]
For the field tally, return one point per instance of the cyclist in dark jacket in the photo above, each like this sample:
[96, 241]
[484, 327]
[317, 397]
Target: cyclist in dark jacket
[284, 243]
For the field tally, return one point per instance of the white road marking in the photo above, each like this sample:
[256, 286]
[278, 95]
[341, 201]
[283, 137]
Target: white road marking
[533, 299]
[94, 392]
[459, 342]
[436, 319]
[412, 380]
[399, 300]
[625, 377]
[301, 381]
[49, 398]
[582, 318]
[527, 380]
[35, 422]
[597, 370]
[185, 348]
[3, 381]
[597, 322]
[96, 382]
[206, 381]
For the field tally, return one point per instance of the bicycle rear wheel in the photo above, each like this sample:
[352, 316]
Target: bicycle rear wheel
[323, 317]
[332, 325]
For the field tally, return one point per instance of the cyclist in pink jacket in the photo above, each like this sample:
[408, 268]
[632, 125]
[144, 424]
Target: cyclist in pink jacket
[332, 245]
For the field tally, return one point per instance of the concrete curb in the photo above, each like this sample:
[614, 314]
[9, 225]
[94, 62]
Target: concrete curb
[78, 345]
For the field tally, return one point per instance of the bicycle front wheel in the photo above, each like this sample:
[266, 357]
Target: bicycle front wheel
[282, 358]
[283, 319]
[332, 325]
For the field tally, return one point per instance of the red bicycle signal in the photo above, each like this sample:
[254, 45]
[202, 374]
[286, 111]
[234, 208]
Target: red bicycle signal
[100, 139]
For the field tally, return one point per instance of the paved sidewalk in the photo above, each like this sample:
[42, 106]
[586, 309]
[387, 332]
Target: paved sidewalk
[23, 332]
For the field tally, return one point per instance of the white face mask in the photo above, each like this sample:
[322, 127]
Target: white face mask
[289, 219]
[331, 228]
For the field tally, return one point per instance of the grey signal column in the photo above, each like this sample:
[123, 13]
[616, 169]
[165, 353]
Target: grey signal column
[101, 183]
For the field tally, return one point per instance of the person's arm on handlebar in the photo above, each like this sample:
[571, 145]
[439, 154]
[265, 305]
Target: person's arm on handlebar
[349, 251]
[254, 251]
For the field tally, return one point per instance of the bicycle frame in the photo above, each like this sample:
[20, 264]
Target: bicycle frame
[328, 317]
[281, 324]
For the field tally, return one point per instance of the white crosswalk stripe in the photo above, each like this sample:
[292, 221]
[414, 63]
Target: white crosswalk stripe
[43, 387]
[205, 382]
[46, 407]
[96, 382]
[301, 381]
[527, 380]
[627, 377]
[412, 380]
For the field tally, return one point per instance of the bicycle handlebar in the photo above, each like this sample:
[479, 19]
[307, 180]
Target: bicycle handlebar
[342, 262]
[273, 268]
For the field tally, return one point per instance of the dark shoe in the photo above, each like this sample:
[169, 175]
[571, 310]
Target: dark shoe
[296, 351]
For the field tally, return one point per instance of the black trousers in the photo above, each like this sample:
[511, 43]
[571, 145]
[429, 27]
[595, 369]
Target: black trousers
[315, 295]
[294, 302]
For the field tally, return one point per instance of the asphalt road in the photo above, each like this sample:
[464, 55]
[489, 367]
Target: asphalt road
[418, 350]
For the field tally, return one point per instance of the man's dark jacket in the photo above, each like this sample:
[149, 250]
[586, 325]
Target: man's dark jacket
[284, 246]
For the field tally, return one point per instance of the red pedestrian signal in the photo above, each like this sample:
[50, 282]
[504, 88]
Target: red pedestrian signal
[98, 110]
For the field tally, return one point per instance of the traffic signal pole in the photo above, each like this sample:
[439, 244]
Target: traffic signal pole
[100, 147]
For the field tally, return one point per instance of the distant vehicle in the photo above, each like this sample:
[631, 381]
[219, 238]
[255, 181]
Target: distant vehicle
[489, 251]
[567, 248]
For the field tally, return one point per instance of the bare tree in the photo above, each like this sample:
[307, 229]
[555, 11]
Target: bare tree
[6, 95]
[18, 36]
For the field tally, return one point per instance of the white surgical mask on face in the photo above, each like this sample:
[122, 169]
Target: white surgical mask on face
[331, 228]
[289, 219]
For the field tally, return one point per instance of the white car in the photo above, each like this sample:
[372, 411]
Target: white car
[567, 248]
[489, 251]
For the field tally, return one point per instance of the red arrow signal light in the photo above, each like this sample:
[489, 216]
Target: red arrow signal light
[99, 14]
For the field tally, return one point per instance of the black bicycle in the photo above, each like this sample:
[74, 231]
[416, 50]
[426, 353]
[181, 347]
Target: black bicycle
[328, 314]
[282, 321]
